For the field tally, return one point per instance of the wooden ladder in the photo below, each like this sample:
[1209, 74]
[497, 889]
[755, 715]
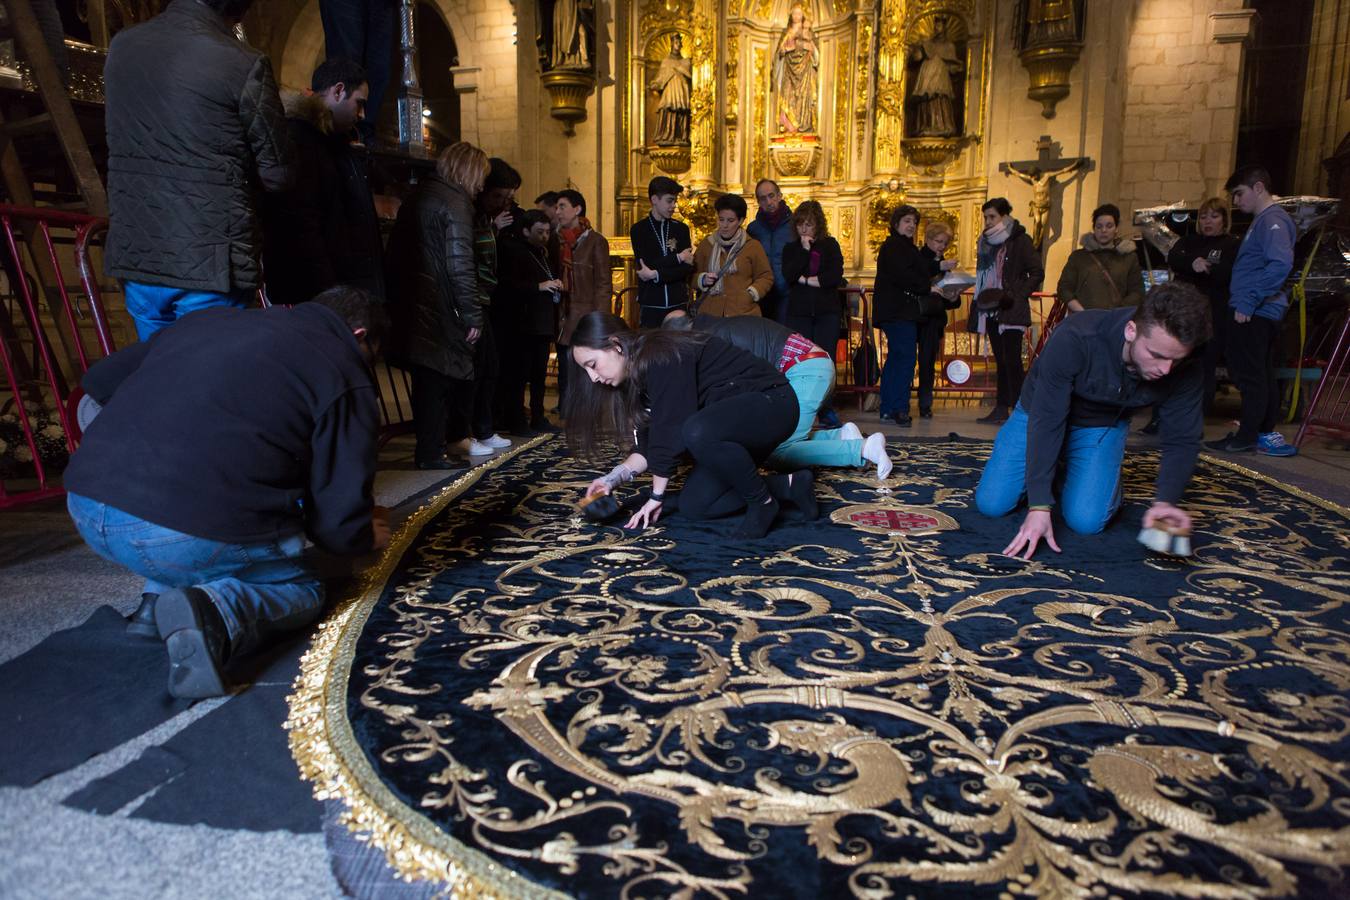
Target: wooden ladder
[58, 119]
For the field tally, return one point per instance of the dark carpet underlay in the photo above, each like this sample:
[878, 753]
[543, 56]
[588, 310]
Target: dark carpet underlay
[88, 689]
[873, 704]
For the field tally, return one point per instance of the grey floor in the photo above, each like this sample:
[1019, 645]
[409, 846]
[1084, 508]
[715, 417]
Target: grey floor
[50, 581]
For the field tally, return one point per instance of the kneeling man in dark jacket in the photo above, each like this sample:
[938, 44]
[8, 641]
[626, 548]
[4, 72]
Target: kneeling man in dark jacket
[222, 444]
[1098, 367]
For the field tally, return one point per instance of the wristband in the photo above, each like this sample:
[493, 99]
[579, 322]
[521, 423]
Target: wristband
[659, 498]
[1039, 507]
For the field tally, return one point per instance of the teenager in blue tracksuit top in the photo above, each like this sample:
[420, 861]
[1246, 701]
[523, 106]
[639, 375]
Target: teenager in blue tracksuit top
[1258, 302]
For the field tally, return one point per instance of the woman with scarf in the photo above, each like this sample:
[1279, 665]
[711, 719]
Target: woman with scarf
[1008, 271]
[588, 283]
[732, 271]
[677, 394]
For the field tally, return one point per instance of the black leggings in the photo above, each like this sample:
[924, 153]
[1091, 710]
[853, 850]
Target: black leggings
[728, 440]
[1008, 357]
[931, 332]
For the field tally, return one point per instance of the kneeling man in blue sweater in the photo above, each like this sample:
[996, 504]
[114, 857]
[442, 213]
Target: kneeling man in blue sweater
[1097, 369]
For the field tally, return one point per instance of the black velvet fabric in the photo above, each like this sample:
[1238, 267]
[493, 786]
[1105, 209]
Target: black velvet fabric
[77, 694]
[872, 704]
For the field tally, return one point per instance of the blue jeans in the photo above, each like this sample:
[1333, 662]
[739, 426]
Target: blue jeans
[898, 373]
[813, 381]
[260, 589]
[1091, 457]
[155, 306]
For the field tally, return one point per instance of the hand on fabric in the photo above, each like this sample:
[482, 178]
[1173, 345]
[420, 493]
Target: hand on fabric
[645, 272]
[1241, 318]
[686, 256]
[473, 335]
[1075, 306]
[1034, 527]
[709, 279]
[379, 524]
[1201, 265]
[1165, 514]
[503, 220]
[650, 512]
[598, 486]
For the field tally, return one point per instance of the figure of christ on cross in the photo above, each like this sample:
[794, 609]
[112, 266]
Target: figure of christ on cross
[1041, 174]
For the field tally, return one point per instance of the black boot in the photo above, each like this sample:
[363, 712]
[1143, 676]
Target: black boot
[198, 643]
[997, 416]
[141, 623]
[797, 492]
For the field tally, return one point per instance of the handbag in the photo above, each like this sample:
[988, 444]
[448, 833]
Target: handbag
[866, 367]
[993, 301]
[930, 305]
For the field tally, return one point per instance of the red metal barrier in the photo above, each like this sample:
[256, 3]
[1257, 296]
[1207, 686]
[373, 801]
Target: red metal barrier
[52, 377]
[1329, 410]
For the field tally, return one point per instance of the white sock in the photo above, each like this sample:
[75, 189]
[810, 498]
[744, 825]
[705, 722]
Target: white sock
[874, 451]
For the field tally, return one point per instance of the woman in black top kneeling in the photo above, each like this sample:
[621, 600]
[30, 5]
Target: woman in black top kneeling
[683, 393]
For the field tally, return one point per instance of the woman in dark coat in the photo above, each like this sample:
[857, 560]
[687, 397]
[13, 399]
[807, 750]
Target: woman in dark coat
[1008, 272]
[1205, 259]
[936, 238]
[902, 282]
[434, 299]
[813, 267]
[685, 394]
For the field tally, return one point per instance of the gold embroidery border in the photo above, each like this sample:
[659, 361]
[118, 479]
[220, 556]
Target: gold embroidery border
[1271, 480]
[324, 748]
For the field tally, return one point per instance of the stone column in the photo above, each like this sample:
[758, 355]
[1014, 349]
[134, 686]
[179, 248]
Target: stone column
[466, 86]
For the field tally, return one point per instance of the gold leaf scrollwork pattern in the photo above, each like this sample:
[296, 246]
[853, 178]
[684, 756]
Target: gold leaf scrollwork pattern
[839, 152]
[926, 718]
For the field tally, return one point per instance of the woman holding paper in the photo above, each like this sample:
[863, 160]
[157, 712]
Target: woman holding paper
[936, 238]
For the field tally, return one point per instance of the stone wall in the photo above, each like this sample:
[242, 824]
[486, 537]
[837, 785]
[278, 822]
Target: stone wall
[1180, 120]
[1326, 101]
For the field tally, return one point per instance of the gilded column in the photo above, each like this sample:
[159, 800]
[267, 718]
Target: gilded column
[839, 152]
[703, 100]
[890, 104]
[733, 93]
[760, 148]
[862, 84]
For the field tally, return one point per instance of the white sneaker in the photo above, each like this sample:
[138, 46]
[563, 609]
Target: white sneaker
[850, 432]
[874, 451]
[497, 442]
[478, 448]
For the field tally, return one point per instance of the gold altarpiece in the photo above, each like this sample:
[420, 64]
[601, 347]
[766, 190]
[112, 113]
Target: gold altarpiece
[869, 145]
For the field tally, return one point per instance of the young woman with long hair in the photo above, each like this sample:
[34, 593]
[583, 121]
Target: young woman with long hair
[671, 394]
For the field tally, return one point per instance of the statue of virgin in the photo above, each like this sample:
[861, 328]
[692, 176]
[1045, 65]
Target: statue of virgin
[795, 74]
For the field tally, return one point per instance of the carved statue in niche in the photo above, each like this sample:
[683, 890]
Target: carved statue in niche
[935, 92]
[795, 77]
[1049, 22]
[673, 82]
[572, 31]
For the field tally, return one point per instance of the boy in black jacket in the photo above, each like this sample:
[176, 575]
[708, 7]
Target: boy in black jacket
[222, 443]
[664, 253]
[1098, 367]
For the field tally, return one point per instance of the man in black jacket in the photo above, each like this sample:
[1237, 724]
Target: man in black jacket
[1098, 367]
[222, 443]
[195, 130]
[324, 231]
[664, 253]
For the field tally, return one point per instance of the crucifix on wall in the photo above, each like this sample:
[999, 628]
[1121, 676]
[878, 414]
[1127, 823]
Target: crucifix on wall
[1042, 173]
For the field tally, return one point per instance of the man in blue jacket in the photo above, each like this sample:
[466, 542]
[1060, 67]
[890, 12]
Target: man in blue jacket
[1098, 367]
[223, 442]
[1258, 302]
[773, 229]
